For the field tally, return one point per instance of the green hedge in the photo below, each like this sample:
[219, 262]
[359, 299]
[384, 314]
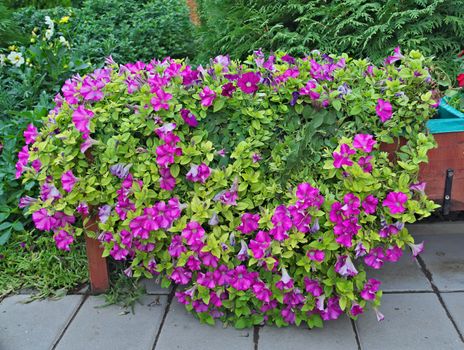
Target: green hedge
[362, 28]
[129, 30]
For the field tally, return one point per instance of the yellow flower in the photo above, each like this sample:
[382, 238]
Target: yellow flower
[12, 48]
[64, 19]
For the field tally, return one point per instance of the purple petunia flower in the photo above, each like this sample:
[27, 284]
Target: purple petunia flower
[30, 134]
[342, 158]
[384, 110]
[369, 204]
[104, 213]
[395, 202]
[248, 82]
[68, 180]
[207, 96]
[370, 289]
[395, 57]
[249, 223]
[416, 248]
[189, 118]
[63, 239]
[364, 142]
[345, 267]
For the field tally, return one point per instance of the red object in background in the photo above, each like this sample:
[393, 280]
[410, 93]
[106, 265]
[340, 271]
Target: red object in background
[448, 155]
[460, 80]
[98, 267]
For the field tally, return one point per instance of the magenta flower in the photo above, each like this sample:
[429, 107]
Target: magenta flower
[286, 282]
[316, 255]
[240, 278]
[167, 181]
[89, 142]
[333, 310]
[228, 89]
[49, 191]
[369, 204]
[249, 223]
[393, 254]
[370, 289]
[288, 315]
[81, 119]
[165, 154]
[388, 231]
[181, 275]
[313, 287]
[43, 220]
[396, 56]
[30, 134]
[308, 90]
[193, 232]
[26, 201]
[91, 89]
[379, 315]
[248, 82]
[68, 180]
[384, 110]
[62, 220]
[343, 157]
[365, 164]
[356, 309]
[189, 76]
[259, 245]
[160, 100]
[416, 248]
[345, 267]
[207, 96]
[261, 291]
[188, 118]
[374, 258]
[364, 142]
[419, 187]
[23, 155]
[395, 202]
[198, 173]
[176, 248]
[63, 239]
[282, 223]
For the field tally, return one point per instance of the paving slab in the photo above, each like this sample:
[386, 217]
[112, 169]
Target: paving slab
[182, 330]
[36, 325]
[444, 258]
[455, 304]
[153, 286]
[336, 335]
[404, 275]
[412, 321]
[113, 328]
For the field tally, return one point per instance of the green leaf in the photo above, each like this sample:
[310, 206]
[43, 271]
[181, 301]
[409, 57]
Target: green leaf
[5, 237]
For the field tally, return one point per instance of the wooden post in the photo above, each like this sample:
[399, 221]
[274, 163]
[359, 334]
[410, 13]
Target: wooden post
[98, 267]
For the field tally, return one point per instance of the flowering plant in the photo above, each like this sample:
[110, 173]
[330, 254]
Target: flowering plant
[456, 96]
[258, 187]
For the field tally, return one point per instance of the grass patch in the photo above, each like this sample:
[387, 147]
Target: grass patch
[32, 261]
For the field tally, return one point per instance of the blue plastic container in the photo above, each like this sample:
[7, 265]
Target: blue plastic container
[449, 119]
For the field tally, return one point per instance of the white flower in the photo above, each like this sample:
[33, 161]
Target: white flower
[63, 41]
[48, 34]
[49, 23]
[16, 58]
[2, 60]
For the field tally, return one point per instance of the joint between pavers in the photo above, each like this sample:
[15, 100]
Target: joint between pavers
[71, 319]
[435, 289]
[356, 334]
[256, 336]
[166, 311]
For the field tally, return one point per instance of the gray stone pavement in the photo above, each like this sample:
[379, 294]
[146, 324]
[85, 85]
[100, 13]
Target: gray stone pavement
[423, 305]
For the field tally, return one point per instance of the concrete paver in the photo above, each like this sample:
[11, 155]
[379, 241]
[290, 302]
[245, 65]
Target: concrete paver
[412, 321]
[112, 328]
[153, 287]
[182, 330]
[444, 258]
[36, 325]
[336, 335]
[404, 275]
[455, 304]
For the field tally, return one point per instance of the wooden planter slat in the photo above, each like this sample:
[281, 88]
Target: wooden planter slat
[97, 265]
[448, 155]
